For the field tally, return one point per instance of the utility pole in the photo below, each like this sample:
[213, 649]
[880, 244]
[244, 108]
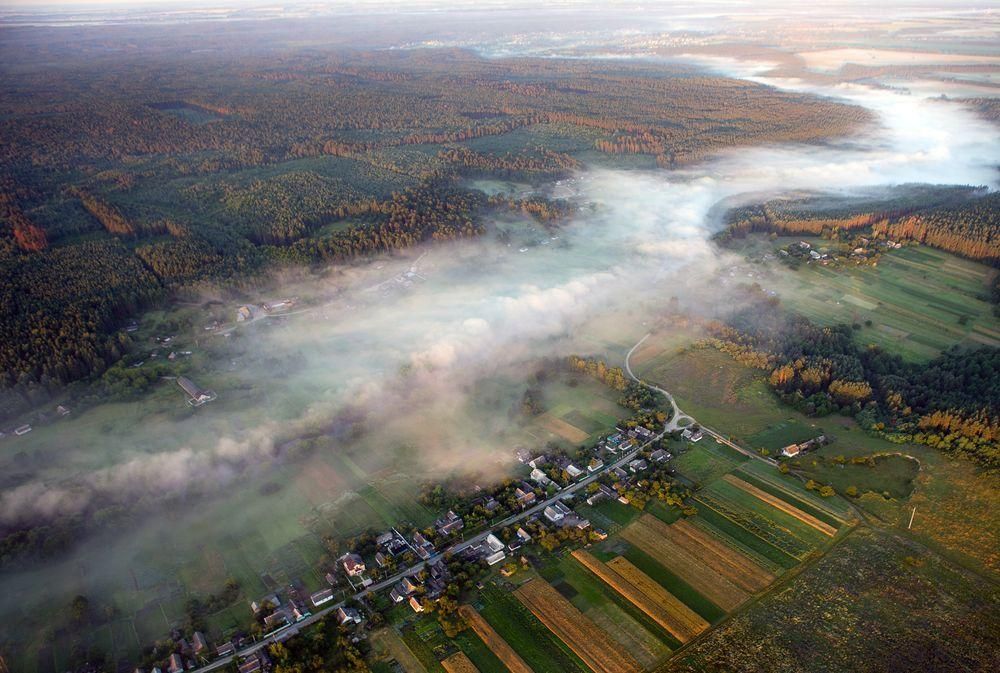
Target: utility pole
[912, 514]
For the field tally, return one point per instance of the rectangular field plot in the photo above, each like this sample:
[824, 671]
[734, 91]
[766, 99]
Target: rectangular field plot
[705, 461]
[782, 505]
[765, 476]
[652, 536]
[638, 588]
[570, 625]
[459, 663]
[792, 528]
[492, 640]
[526, 635]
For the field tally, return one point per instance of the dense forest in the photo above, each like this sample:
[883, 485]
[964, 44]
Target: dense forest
[125, 179]
[964, 221]
[952, 402]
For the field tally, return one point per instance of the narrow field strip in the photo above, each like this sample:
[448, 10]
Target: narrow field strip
[727, 561]
[459, 663]
[493, 640]
[639, 589]
[647, 534]
[781, 505]
[598, 651]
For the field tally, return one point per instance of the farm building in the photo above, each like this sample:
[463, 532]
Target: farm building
[196, 396]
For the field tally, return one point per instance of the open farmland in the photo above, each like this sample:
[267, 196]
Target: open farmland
[648, 533]
[526, 634]
[497, 645]
[459, 663]
[874, 603]
[655, 601]
[588, 641]
[719, 556]
[919, 300]
[780, 504]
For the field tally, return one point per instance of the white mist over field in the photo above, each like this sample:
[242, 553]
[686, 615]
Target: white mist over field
[406, 352]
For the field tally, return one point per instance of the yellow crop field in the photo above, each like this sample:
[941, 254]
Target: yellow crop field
[590, 643]
[642, 591]
[725, 560]
[647, 533]
[459, 663]
[780, 504]
[493, 640]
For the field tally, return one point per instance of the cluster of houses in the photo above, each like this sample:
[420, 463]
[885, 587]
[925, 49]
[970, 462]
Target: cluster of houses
[415, 592]
[793, 450]
[186, 656]
[43, 416]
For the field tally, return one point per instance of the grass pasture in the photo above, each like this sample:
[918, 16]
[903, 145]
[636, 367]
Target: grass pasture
[705, 461]
[868, 584]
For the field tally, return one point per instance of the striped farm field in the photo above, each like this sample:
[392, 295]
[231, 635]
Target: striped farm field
[498, 646]
[649, 534]
[780, 504]
[590, 643]
[722, 558]
[639, 589]
[794, 498]
[459, 663]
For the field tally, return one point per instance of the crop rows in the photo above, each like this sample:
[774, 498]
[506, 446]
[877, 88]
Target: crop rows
[781, 505]
[639, 589]
[587, 641]
[647, 534]
[498, 646]
[459, 663]
[724, 559]
[757, 525]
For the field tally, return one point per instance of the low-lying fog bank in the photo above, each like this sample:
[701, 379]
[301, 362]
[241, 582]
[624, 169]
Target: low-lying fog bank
[402, 343]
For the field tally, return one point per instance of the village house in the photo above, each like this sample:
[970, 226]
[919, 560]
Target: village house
[659, 456]
[619, 473]
[525, 495]
[449, 524]
[321, 596]
[175, 664]
[353, 564]
[198, 642]
[540, 478]
[556, 512]
[692, 435]
[602, 493]
[522, 455]
[573, 471]
[348, 616]
[791, 450]
[643, 432]
[250, 665]
[331, 579]
[595, 464]
[409, 585]
[637, 465]
[523, 534]
[495, 552]
[271, 600]
[415, 604]
[537, 461]
[225, 649]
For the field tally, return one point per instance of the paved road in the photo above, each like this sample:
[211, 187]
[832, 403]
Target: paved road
[677, 416]
[680, 415]
[453, 549]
